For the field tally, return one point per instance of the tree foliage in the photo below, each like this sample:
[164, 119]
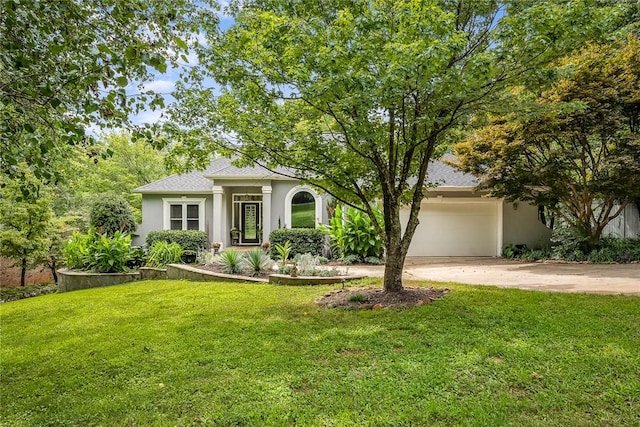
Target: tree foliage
[24, 222]
[356, 97]
[576, 149]
[66, 65]
[132, 163]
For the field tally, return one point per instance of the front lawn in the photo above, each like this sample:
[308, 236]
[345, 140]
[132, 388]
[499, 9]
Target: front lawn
[181, 353]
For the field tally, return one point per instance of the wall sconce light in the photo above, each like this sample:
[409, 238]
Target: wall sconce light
[515, 206]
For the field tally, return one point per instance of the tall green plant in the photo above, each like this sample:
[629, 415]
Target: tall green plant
[76, 250]
[352, 233]
[110, 254]
[284, 251]
[162, 253]
[96, 252]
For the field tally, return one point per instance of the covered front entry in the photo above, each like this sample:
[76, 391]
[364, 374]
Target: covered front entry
[241, 215]
[460, 228]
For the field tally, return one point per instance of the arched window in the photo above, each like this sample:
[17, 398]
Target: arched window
[303, 208]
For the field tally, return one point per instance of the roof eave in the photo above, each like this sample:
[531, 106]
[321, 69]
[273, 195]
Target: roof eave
[171, 191]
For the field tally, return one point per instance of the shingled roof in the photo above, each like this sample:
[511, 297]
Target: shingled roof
[440, 174]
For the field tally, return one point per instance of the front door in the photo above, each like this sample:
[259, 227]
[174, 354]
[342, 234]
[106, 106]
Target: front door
[250, 222]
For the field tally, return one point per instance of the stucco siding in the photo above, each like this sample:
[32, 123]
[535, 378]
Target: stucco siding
[280, 190]
[521, 226]
[152, 214]
[151, 217]
[626, 225]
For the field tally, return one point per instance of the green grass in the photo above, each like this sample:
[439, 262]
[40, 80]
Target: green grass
[303, 215]
[234, 354]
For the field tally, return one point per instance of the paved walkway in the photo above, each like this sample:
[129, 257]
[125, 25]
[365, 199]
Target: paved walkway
[543, 276]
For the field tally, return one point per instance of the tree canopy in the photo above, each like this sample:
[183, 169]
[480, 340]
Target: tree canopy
[66, 65]
[576, 147]
[357, 97]
[132, 163]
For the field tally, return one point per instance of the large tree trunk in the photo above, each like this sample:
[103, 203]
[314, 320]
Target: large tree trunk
[396, 251]
[393, 271]
[23, 272]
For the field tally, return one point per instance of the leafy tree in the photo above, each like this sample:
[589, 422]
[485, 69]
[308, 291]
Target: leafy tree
[112, 214]
[67, 64]
[576, 149]
[132, 163]
[24, 222]
[356, 97]
[58, 231]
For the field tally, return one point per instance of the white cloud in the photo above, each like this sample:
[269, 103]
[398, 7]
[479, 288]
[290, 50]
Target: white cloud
[148, 116]
[159, 86]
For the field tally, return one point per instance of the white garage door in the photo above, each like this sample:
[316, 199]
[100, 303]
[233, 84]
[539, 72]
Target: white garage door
[455, 229]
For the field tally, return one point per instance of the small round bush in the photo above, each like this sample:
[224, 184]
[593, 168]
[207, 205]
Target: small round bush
[112, 214]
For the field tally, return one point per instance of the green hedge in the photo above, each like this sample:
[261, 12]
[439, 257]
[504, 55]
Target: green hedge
[112, 214]
[303, 240]
[191, 241]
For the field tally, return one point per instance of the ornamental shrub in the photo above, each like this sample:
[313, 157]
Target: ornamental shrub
[231, 261]
[112, 214]
[256, 261]
[192, 241]
[98, 252]
[352, 233]
[110, 254]
[303, 240]
[75, 250]
[162, 253]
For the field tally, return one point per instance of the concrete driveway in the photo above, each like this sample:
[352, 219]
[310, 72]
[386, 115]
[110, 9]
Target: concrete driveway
[542, 276]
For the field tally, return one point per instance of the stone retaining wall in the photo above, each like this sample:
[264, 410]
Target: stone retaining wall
[74, 280]
[149, 273]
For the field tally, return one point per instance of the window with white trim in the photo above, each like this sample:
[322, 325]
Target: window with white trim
[183, 214]
[302, 208]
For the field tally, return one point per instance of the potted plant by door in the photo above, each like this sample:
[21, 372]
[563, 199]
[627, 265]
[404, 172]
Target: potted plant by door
[235, 236]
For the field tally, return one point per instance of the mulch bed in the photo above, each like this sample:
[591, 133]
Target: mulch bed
[376, 298]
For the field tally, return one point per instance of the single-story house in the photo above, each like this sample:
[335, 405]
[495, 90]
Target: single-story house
[241, 206]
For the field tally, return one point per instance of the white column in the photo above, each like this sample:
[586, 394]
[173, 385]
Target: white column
[266, 212]
[218, 232]
[500, 232]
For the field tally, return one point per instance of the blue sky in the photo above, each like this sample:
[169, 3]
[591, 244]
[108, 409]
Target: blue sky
[165, 83]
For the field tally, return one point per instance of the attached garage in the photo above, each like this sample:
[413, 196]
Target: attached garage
[465, 227]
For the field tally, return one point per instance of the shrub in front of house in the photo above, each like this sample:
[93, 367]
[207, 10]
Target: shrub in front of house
[303, 240]
[112, 214]
[191, 241]
[98, 252]
[352, 234]
[611, 250]
[162, 253]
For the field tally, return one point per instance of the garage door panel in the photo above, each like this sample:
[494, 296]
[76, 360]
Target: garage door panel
[454, 229]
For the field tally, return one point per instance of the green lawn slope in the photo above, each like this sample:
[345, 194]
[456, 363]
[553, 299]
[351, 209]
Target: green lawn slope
[181, 353]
